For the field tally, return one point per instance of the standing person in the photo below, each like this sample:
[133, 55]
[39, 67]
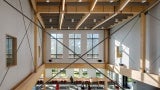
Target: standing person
[71, 79]
[57, 86]
[89, 87]
[82, 86]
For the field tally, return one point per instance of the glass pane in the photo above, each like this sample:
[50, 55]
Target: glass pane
[71, 35]
[89, 45]
[76, 73]
[95, 36]
[78, 46]
[84, 73]
[53, 46]
[77, 35]
[89, 35]
[59, 35]
[63, 73]
[53, 35]
[95, 42]
[9, 48]
[60, 47]
[71, 45]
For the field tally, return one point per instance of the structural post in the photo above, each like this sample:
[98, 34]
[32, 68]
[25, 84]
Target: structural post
[44, 79]
[106, 47]
[106, 56]
[44, 37]
[35, 44]
[143, 43]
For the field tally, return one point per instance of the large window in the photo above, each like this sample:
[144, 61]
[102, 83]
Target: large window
[54, 71]
[84, 73]
[92, 40]
[63, 73]
[11, 51]
[76, 73]
[56, 47]
[98, 74]
[74, 45]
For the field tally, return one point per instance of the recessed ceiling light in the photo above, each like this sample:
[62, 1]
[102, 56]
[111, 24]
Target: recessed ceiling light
[110, 1]
[50, 20]
[51, 27]
[94, 20]
[143, 1]
[47, 1]
[116, 20]
[79, 0]
[68, 27]
[72, 20]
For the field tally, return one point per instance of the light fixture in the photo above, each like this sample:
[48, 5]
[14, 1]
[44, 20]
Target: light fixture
[51, 27]
[72, 20]
[50, 20]
[116, 20]
[102, 27]
[47, 1]
[79, 0]
[110, 1]
[85, 27]
[68, 27]
[143, 1]
[94, 20]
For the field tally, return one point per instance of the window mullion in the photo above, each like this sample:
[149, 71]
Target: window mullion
[74, 45]
[56, 45]
[92, 46]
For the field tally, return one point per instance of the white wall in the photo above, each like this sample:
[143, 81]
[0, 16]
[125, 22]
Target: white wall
[11, 23]
[129, 38]
[153, 42]
[83, 45]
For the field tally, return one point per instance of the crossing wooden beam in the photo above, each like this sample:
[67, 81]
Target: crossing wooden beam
[93, 3]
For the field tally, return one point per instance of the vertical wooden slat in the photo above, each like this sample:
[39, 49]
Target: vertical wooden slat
[143, 42]
[44, 46]
[106, 56]
[106, 47]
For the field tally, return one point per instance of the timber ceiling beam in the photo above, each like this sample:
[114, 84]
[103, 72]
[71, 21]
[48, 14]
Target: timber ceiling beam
[34, 6]
[62, 15]
[98, 9]
[122, 5]
[93, 3]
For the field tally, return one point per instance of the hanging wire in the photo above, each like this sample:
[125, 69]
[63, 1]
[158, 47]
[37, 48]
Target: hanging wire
[68, 48]
[27, 33]
[156, 18]
[16, 52]
[125, 38]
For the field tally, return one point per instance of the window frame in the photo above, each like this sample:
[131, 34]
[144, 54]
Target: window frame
[14, 51]
[74, 50]
[92, 51]
[56, 42]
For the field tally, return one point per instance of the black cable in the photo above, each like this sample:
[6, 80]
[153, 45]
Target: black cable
[156, 18]
[26, 32]
[80, 57]
[62, 43]
[129, 31]
[4, 76]
[16, 52]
